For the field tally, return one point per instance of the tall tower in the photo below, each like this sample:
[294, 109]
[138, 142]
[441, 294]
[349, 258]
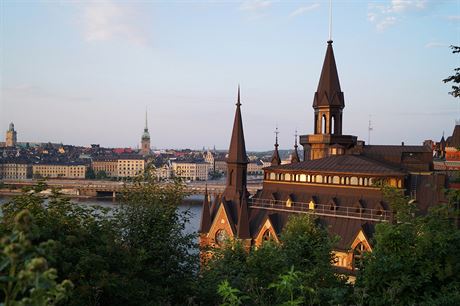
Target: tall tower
[11, 136]
[145, 141]
[328, 104]
[237, 162]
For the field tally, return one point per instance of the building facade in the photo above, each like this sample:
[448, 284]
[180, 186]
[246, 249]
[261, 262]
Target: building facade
[130, 166]
[107, 165]
[192, 171]
[68, 171]
[15, 170]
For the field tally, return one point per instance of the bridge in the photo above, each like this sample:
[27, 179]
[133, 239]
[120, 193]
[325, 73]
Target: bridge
[91, 188]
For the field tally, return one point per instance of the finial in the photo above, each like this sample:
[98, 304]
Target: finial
[276, 136]
[238, 103]
[295, 139]
[330, 22]
[146, 126]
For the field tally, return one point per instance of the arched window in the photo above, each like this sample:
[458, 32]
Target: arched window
[333, 125]
[354, 180]
[319, 179]
[358, 255]
[324, 124]
[289, 202]
[287, 177]
[230, 178]
[267, 235]
[221, 237]
[272, 176]
[303, 178]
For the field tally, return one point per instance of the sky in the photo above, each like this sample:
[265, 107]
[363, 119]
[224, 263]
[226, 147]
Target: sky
[84, 72]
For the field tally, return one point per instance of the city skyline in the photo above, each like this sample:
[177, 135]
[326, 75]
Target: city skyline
[120, 58]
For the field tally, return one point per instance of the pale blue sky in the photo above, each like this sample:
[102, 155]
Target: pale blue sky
[82, 72]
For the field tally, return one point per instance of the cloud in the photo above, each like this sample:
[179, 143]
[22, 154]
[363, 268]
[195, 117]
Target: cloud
[434, 44]
[105, 20]
[387, 15]
[386, 23]
[255, 5]
[304, 9]
[453, 18]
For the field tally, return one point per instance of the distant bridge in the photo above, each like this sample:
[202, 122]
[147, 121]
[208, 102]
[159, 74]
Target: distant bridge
[90, 188]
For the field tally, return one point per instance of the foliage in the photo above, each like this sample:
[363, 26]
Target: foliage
[134, 255]
[90, 173]
[296, 270]
[230, 296]
[415, 260]
[101, 175]
[25, 277]
[454, 78]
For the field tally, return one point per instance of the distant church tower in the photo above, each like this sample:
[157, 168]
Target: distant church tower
[11, 136]
[145, 141]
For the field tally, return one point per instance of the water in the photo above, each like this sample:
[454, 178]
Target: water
[192, 204]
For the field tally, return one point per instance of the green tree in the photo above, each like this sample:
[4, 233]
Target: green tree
[90, 174]
[415, 260]
[101, 175]
[25, 276]
[454, 78]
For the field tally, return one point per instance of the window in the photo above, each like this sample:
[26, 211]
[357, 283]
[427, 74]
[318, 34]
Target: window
[303, 178]
[272, 176]
[287, 177]
[354, 180]
[289, 202]
[336, 180]
[358, 255]
[267, 235]
[221, 237]
[319, 178]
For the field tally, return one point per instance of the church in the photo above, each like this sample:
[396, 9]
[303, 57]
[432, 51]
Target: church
[336, 182]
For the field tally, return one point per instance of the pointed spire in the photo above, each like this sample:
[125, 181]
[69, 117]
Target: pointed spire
[276, 160]
[242, 230]
[329, 93]
[146, 125]
[295, 155]
[237, 150]
[205, 213]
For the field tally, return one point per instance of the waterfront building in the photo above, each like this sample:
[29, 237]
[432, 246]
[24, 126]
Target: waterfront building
[59, 170]
[15, 169]
[11, 136]
[108, 165]
[255, 167]
[145, 140]
[209, 158]
[338, 181]
[130, 166]
[191, 170]
[220, 164]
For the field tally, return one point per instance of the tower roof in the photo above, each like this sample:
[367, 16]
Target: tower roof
[237, 150]
[205, 224]
[329, 93]
[276, 160]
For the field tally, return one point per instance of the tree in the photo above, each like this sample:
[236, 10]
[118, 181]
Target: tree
[301, 261]
[415, 260]
[25, 276]
[90, 173]
[101, 175]
[454, 78]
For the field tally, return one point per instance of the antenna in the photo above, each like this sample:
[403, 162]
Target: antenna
[369, 130]
[330, 20]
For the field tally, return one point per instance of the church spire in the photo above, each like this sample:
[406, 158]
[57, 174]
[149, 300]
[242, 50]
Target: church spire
[205, 213]
[146, 125]
[276, 160]
[329, 93]
[237, 159]
[295, 155]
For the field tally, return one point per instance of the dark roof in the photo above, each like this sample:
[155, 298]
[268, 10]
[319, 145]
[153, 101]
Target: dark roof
[237, 150]
[329, 92]
[454, 140]
[242, 230]
[341, 164]
[276, 160]
[394, 150]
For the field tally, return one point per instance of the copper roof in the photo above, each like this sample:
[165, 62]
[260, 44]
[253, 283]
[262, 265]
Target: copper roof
[341, 164]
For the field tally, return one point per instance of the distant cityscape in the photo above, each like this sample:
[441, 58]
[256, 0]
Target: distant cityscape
[35, 160]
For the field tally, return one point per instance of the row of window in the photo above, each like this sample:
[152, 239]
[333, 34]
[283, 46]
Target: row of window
[332, 179]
